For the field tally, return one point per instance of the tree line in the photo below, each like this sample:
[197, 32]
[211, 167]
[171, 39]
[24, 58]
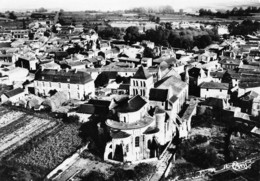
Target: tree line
[179, 38]
[234, 12]
[247, 27]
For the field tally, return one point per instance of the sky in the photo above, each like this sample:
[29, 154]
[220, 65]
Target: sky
[117, 4]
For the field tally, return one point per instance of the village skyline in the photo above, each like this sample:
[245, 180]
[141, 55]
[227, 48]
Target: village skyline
[114, 5]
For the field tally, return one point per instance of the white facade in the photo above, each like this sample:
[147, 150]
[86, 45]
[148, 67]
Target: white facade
[218, 93]
[13, 99]
[74, 91]
[141, 86]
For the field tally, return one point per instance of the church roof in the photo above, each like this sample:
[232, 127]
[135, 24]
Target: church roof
[142, 73]
[158, 95]
[171, 82]
[133, 105]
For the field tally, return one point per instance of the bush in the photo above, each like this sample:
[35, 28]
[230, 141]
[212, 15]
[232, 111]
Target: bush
[202, 157]
[199, 139]
[87, 155]
[144, 169]
[94, 176]
[123, 175]
[182, 170]
[71, 119]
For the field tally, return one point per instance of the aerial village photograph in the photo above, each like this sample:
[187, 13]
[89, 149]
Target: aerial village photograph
[130, 90]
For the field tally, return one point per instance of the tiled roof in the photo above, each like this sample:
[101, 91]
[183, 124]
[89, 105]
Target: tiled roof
[14, 92]
[142, 73]
[175, 84]
[119, 135]
[249, 81]
[216, 74]
[133, 105]
[72, 76]
[214, 85]
[151, 130]
[230, 61]
[158, 95]
[93, 109]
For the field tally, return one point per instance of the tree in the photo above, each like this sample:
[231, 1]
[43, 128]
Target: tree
[12, 15]
[157, 20]
[109, 33]
[41, 10]
[148, 52]
[101, 80]
[132, 34]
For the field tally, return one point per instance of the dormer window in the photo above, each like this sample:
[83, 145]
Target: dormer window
[42, 77]
[68, 79]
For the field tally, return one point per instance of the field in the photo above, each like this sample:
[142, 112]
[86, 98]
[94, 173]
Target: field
[17, 127]
[34, 144]
[51, 151]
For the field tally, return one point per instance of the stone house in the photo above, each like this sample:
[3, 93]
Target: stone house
[76, 84]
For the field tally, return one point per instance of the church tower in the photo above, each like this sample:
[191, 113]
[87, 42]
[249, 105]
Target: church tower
[141, 83]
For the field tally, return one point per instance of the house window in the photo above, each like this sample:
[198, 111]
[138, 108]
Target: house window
[207, 89]
[69, 86]
[78, 95]
[134, 82]
[137, 141]
[144, 84]
[127, 148]
[124, 119]
[43, 84]
[78, 87]
[220, 90]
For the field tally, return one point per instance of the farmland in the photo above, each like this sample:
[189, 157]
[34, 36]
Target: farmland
[17, 127]
[34, 143]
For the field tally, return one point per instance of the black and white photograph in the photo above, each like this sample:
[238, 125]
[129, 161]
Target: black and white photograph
[130, 90]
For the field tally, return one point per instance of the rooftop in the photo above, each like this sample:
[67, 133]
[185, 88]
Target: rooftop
[71, 76]
[214, 85]
[142, 73]
[158, 95]
[146, 121]
[14, 92]
[133, 105]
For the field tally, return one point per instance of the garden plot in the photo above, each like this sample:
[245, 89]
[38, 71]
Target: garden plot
[9, 117]
[17, 127]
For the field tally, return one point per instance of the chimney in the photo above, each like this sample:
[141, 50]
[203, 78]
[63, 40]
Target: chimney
[76, 70]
